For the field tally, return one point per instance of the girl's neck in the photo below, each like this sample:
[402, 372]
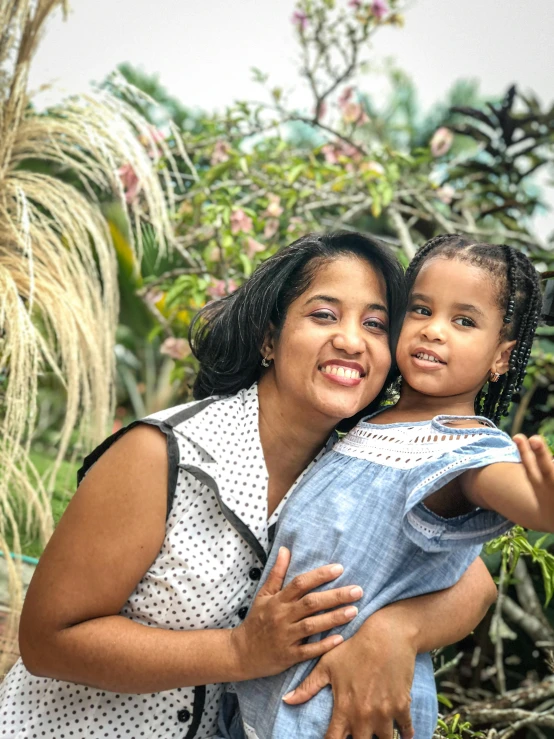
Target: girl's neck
[414, 406]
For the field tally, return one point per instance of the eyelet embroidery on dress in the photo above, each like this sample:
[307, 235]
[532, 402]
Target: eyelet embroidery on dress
[406, 447]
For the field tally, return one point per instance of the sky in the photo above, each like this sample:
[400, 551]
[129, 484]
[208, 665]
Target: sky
[203, 50]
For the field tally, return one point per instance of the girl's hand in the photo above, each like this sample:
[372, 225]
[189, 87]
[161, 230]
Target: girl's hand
[271, 638]
[371, 677]
[537, 459]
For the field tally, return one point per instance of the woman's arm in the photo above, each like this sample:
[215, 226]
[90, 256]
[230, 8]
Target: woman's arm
[106, 541]
[371, 673]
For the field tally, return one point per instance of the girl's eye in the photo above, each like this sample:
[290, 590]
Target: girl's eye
[421, 310]
[465, 321]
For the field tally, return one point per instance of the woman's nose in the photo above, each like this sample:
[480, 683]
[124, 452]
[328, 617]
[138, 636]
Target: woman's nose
[349, 340]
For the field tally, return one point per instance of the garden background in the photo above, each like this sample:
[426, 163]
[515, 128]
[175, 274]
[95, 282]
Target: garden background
[125, 209]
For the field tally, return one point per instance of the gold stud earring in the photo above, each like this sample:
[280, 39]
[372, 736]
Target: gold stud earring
[494, 377]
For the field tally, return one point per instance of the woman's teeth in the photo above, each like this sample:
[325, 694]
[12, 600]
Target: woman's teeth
[331, 369]
[428, 357]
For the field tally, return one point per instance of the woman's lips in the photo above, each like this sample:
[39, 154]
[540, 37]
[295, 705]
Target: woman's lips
[347, 374]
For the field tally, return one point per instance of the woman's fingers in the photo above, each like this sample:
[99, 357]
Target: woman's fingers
[324, 622]
[317, 679]
[326, 600]
[404, 724]
[276, 577]
[313, 650]
[302, 584]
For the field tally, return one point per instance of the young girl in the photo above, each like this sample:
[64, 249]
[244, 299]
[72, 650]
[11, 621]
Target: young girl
[408, 497]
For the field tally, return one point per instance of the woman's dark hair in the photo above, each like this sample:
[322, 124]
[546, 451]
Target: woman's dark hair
[517, 285]
[226, 335]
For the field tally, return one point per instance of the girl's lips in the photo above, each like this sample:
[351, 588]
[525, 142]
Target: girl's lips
[427, 364]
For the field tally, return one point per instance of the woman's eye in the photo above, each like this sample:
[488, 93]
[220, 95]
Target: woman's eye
[464, 321]
[324, 314]
[421, 310]
[375, 323]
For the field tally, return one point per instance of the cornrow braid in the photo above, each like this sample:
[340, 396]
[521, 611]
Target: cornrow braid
[519, 295]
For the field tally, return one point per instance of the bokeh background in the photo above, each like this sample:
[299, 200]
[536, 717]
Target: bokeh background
[153, 155]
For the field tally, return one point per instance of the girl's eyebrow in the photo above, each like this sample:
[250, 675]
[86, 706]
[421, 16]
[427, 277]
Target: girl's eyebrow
[336, 301]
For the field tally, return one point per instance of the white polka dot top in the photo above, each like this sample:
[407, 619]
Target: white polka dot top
[216, 544]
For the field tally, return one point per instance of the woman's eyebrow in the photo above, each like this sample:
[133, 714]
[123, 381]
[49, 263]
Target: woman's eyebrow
[336, 301]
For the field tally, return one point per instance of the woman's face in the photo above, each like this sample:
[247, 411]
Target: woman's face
[332, 355]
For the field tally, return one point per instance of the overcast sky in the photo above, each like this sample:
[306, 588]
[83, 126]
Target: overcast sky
[203, 49]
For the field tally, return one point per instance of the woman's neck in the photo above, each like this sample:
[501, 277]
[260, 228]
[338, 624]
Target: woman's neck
[289, 443]
[414, 406]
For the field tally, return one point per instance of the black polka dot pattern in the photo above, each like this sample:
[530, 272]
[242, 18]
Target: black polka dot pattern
[204, 577]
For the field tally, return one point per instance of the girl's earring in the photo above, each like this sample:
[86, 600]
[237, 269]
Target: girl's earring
[265, 362]
[494, 377]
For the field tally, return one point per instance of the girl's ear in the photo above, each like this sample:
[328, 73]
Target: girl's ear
[501, 362]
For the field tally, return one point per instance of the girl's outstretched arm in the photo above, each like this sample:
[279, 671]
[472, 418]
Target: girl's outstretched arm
[523, 493]
[371, 673]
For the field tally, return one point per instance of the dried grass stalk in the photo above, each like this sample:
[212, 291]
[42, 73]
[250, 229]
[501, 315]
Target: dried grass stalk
[58, 271]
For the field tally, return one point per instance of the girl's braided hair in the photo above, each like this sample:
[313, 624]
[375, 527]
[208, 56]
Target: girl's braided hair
[518, 295]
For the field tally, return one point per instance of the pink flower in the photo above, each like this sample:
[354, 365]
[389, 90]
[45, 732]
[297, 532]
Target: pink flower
[220, 288]
[379, 8]
[300, 19]
[330, 153]
[220, 152]
[130, 182]
[240, 222]
[253, 247]
[175, 348]
[354, 113]
[345, 96]
[446, 194]
[274, 208]
[150, 139]
[441, 141]
[356, 4]
[271, 227]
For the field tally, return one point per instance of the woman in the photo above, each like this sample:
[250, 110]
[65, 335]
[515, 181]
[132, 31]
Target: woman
[145, 589]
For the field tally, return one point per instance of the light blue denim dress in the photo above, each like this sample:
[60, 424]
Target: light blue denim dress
[362, 505]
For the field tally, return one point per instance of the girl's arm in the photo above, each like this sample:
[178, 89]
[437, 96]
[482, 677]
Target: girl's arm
[109, 536]
[523, 493]
[371, 673]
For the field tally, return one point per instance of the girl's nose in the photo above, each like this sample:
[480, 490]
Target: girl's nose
[434, 330]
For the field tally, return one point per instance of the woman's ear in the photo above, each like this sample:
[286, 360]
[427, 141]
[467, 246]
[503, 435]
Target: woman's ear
[502, 360]
[267, 347]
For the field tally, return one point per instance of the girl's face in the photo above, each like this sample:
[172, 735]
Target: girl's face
[332, 355]
[451, 336]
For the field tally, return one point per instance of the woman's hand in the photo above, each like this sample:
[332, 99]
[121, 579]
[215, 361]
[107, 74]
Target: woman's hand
[371, 677]
[271, 638]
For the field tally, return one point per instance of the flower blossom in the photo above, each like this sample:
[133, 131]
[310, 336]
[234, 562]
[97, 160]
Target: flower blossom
[271, 227]
[220, 288]
[441, 141]
[240, 222]
[446, 194]
[253, 247]
[175, 348]
[130, 182]
[379, 8]
[300, 19]
[354, 113]
[356, 4]
[274, 209]
[345, 96]
[220, 152]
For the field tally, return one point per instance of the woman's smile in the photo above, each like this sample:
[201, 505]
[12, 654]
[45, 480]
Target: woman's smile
[343, 372]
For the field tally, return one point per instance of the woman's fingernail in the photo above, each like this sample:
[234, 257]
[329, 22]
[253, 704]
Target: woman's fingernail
[289, 695]
[350, 612]
[356, 592]
[337, 640]
[337, 570]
